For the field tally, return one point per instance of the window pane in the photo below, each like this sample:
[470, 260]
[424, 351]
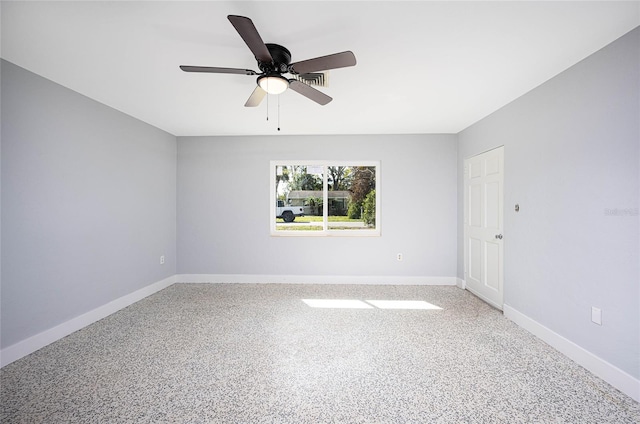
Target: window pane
[299, 198]
[325, 198]
[351, 197]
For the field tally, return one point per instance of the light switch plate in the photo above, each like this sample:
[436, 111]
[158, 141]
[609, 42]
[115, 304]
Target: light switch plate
[596, 315]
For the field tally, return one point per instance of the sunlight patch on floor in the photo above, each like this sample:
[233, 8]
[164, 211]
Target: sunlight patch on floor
[402, 304]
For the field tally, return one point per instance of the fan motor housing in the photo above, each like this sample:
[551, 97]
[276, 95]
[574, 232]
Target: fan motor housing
[281, 58]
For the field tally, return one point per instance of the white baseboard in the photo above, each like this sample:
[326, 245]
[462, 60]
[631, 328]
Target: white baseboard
[461, 283]
[315, 279]
[613, 375]
[25, 347]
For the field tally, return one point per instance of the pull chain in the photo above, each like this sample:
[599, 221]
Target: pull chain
[278, 112]
[267, 107]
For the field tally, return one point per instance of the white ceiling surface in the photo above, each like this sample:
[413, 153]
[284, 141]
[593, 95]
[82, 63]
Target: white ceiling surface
[423, 67]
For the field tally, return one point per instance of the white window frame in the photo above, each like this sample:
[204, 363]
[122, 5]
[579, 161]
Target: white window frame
[325, 232]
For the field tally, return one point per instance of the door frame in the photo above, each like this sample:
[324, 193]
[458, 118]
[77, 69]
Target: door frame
[465, 221]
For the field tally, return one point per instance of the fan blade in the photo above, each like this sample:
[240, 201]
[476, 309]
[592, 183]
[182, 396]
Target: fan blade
[256, 97]
[250, 35]
[309, 92]
[324, 63]
[218, 70]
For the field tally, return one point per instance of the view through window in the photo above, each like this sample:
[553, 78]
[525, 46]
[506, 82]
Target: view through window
[325, 198]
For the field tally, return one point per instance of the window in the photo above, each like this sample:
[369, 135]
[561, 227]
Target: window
[314, 198]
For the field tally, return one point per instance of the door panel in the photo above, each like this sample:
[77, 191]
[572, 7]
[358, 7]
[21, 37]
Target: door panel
[493, 165]
[475, 264]
[493, 205]
[475, 205]
[493, 265]
[483, 225]
[475, 169]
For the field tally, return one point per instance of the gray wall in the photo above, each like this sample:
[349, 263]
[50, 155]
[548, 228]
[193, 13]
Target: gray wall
[223, 215]
[88, 204]
[571, 162]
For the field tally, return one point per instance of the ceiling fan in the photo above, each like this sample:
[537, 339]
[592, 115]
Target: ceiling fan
[274, 61]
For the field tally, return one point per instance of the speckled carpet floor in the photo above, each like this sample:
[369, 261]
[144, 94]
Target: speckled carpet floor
[210, 353]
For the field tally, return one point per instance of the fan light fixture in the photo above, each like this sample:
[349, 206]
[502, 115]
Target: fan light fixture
[273, 84]
[273, 60]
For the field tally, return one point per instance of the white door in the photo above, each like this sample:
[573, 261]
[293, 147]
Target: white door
[483, 224]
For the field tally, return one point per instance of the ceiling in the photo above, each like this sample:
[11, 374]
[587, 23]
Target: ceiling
[423, 66]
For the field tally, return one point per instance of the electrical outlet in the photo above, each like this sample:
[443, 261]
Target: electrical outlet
[162, 260]
[399, 257]
[596, 315]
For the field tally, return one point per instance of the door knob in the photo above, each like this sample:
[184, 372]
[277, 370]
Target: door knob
[499, 236]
